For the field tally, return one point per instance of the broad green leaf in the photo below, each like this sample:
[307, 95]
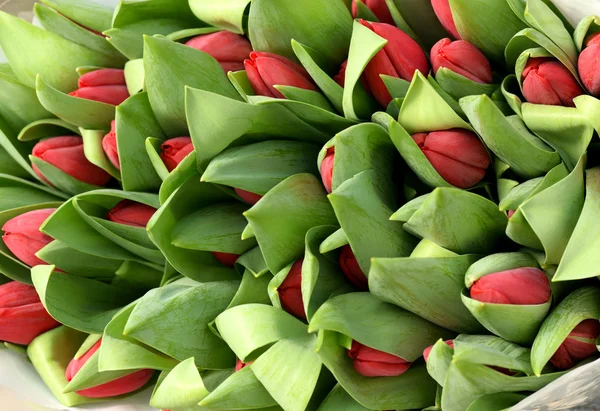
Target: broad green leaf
[339, 399]
[93, 15]
[420, 18]
[16, 192]
[182, 387]
[92, 147]
[496, 402]
[135, 76]
[61, 180]
[459, 86]
[49, 127]
[228, 14]
[78, 263]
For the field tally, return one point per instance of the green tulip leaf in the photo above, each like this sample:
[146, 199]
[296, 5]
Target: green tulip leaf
[496, 402]
[92, 147]
[339, 399]
[459, 86]
[95, 16]
[181, 35]
[229, 15]
[253, 261]
[311, 97]
[61, 180]
[181, 388]
[439, 360]
[587, 26]
[496, 263]
[183, 172]
[16, 192]
[588, 107]
[51, 127]
[78, 263]
[135, 77]
[336, 240]
[253, 290]
[153, 149]
[16, 153]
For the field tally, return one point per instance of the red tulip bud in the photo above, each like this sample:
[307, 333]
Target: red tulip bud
[23, 238]
[379, 9]
[173, 151]
[228, 48]
[227, 259]
[457, 154]
[131, 213]
[327, 169]
[340, 77]
[370, 362]
[290, 292]
[124, 385]
[104, 85]
[547, 81]
[427, 351]
[579, 345]
[266, 70]
[511, 213]
[444, 14]
[247, 196]
[352, 270]
[109, 145]
[519, 286]
[22, 315]
[66, 154]
[463, 58]
[240, 364]
[400, 57]
[589, 66]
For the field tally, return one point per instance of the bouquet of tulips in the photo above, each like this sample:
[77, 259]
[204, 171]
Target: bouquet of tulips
[323, 205]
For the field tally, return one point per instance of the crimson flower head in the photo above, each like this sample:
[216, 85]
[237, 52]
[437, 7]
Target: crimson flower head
[104, 85]
[227, 259]
[589, 64]
[327, 169]
[457, 154]
[462, 58]
[290, 292]
[66, 153]
[247, 196]
[124, 385]
[547, 81]
[23, 238]
[352, 270]
[379, 9]
[109, 145]
[266, 70]
[22, 315]
[131, 213]
[228, 48]
[370, 362]
[579, 345]
[340, 77]
[174, 150]
[400, 58]
[519, 286]
[444, 14]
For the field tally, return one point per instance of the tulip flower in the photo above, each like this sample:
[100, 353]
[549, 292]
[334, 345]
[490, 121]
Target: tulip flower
[228, 48]
[379, 9]
[400, 57]
[463, 58]
[124, 385]
[227, 259]
[352, 270]
[131, 213]
[444, 14]
[370, 362]
[22, 315]
[104, 85]
[340, 77]
[579, 345]
[266, 70]
[109, 145]
[457, 154]
[23, 238]
[519, 286]
[427, 351]
[547, 81]
[66, 153]
[290, 291]
[589, 68]
[247, 196]
[173, 151]
[327, 169]
[240, 364]
[511, 213]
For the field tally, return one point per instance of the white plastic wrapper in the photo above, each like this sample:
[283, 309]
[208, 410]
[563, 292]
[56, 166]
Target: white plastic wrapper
[577, 389]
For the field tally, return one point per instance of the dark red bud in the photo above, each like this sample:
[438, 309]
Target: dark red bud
[370, 362]
[109, 145]
[23, 238]
[444, 14]
[174, 150]
[340, 77]
[327, 169]
[104, 85]
[131, 213]
[579, 345]
[589, 66]
[227, 259]
[290, 292]
[462, 58]
[352, 270]
[519, 286]
[247, 196]
[547, 81]
[228, 48]
[379, 9]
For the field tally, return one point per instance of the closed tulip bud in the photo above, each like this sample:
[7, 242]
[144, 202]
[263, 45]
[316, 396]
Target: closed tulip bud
[547, 81]
[511, 213]
[123, 385]
[400, 58]
[379, 9]
[173, 151]
[23, 238]
[340, 77]
[370, 362]
[227, 259]
[327, 169]
[589, 66]
[462, 58]
[131, 213]
[266, 70]
[104, 85]
[579, 345]
[519, 286]
[109, 145]
[444, 14]
[352, 270]
[457, 154]
[66, 154]
[228, 48]
[427, 351]
[247, 196]
[290, 291]
[22, 315]
[240, 364]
